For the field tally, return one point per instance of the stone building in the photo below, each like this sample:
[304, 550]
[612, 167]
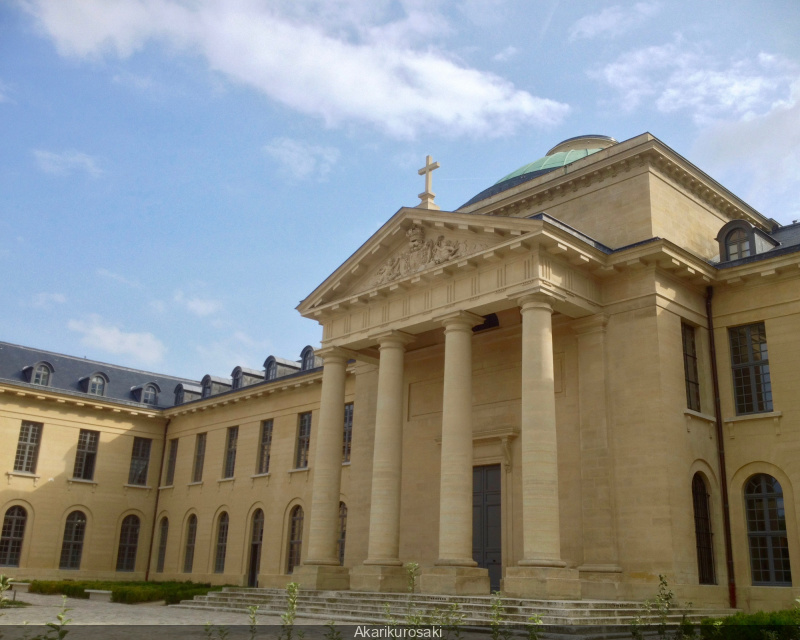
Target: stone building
[584, 377]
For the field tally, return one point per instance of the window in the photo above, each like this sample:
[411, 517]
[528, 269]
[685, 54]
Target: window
[222, 543]
[256, 538]
[342, 530]
[766, 531]
[751, 381]
[199, 457]
[172, 459]
[41, 374]
[348, 432]
[97, 385]
[702, 531]
[303, 440]
[238, 378]
[264, 446]
[162, 545]
[128, 541]
[206, 389]
[140, 461]
[12, 536]
[295, 539]
[72, 546]
[150, 395]
[272, 370]
[30, 434]
[737, 244]
[86, 455]
[690, 367]
[230, 452]
[191, 536]
[307, 359]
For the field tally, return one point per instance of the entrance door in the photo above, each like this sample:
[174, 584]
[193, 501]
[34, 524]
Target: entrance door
[486, 527]
[255, 548]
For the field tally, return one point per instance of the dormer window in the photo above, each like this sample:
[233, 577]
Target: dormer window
[97, 385]
[737, 245]
[238, 376]
[41, 374]
[738, 239]
[149, 395]
[272, 370]
[307, 359]
[206, 389]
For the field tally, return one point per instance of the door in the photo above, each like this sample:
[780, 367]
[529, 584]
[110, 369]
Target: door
[486, 524]
[255, 548]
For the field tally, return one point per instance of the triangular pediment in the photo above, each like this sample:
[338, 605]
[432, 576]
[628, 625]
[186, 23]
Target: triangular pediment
[413, 244]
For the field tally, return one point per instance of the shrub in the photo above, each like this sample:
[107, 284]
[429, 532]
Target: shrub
[125, 592]
[783, 624]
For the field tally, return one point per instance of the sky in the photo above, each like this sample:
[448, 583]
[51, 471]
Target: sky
[176, 176]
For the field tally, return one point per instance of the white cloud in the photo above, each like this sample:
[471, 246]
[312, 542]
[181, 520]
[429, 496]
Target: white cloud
[105, 273]
[201, 307]
[66, 162]
[340, 60]
[613, 21]
[98, 334]
[506, 54]
[302, 160]
[681, 77]
[47, 300]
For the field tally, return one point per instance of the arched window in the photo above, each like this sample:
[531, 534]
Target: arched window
[737, 244]
[256, 539]
[342, 530]
[128, 542]
[222, 543]
[72, 546]
[766, 531]
[272, 370]
[41, 374]
[307, 359]
[295, 539]
[149, 395]
[191, 536]
[702, 531]
[97, 385]
[11, 539]
[162, 545]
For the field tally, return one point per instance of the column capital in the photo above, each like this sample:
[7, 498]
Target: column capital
[392, 338]
[590, 324]
[332, 354]
[535, 300]
[459, 318]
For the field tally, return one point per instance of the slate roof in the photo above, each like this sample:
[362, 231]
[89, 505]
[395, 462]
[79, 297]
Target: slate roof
[68, 370]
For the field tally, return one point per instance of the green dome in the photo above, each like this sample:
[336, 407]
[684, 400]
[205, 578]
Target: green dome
[554, 161]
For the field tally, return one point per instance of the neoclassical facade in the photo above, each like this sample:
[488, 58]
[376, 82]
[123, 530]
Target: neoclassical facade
[582, 378]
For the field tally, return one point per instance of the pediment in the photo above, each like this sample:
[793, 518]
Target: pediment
[412, 245]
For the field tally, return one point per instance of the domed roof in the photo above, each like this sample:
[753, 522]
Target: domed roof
[561, 155]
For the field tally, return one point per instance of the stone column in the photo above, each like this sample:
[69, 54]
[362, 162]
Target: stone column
[600, 571]
[456, 572]
[540, 572]
[321, 569]
[382, 570]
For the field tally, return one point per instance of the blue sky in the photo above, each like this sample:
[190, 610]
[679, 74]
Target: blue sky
[176, 176]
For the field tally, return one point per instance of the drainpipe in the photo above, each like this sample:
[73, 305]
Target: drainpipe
[155, 508]
[726, 511]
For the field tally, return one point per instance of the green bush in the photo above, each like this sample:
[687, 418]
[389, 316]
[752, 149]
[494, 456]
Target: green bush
[125, 592]
[784, 625]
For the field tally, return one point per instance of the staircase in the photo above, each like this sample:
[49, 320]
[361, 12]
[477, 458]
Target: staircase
[562, 616]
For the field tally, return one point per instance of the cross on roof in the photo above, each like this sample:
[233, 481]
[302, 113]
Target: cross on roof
[427, 196]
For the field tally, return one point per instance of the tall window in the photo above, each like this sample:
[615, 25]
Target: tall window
[149, 395]
[766, 531]
[303, 440]
[690, 367]
[264, 446]
[191, 536]
[140, 461]
[97, 385]
[172, 460]
[30, 434]
[230, 452]
[41, 375]
[12, 536]
[342, 530]
[348, 432]
[128, 542]
[272, 370]
[737, 244]
[702, 531]
[162, 544]
[72, 546]
[86, 455]
[295, 539]
[256, 539]
[199, 457]
[750, 361]
[307, 359]
[222, 543]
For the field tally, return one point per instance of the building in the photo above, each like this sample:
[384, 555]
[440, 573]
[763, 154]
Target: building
[584, 377]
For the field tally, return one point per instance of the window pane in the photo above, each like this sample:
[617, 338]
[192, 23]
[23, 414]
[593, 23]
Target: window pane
[222, 543]
[162, 545]
[766, 528]
[230, 452]
[191, 535]
[303, 440]
[72, 546]
[140, 461]
[128, 542]
[171, 462]
[752, 386]
[86, 455]
[199, 457]
[28, 447]
[12, 536]
[264, 447]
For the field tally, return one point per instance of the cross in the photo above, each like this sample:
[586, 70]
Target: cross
[427, 196]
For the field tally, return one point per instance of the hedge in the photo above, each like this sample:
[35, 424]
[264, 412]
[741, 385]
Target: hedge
[781, 625]
[125, 592]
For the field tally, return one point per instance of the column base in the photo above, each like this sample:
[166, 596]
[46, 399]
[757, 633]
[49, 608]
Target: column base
[601, 582]
[379, 578]
[455, 581]
[322, 577]
[548, 583]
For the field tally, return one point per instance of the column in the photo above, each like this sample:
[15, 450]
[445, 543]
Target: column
[456, 572]
[321, 569]
[382, 570]
[541, 572]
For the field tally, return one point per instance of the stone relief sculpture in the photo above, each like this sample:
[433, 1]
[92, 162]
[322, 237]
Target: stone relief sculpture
[421, 254]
